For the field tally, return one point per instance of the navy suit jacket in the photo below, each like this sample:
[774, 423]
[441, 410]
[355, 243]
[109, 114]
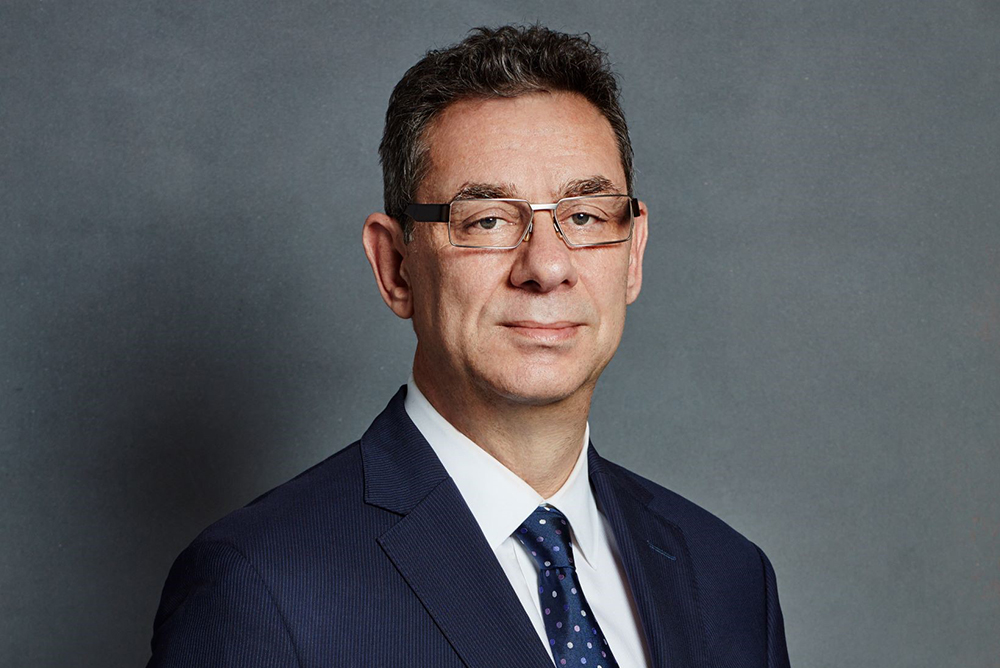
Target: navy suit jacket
[372, 558]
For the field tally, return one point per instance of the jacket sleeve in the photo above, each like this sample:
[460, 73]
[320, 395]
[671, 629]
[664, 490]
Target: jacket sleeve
[777, 651]
[216, 611]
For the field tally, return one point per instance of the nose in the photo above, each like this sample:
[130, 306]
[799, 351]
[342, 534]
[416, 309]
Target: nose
[544, 261]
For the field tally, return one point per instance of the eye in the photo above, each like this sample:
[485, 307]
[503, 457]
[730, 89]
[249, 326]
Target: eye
[587, 216]
[581, 218]
[484, 216]
[485, 223]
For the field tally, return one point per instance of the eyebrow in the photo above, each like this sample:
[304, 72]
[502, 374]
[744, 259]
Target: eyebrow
[592, 185]
[486, 191]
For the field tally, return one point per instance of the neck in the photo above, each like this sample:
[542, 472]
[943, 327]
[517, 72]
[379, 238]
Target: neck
[539, 443]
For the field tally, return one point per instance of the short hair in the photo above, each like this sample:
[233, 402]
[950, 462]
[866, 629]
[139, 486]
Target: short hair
[503, 62]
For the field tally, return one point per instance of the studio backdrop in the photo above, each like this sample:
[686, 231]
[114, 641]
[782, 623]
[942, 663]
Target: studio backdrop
[187, 318]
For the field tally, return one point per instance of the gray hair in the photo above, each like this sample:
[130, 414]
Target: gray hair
[502, 62]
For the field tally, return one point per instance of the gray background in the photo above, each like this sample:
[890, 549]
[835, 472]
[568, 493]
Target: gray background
[187, 318]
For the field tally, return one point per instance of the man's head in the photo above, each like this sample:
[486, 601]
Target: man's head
[515, 113]
[505, 62]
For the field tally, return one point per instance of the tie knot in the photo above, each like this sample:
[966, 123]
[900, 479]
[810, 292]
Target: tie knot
[545, 534]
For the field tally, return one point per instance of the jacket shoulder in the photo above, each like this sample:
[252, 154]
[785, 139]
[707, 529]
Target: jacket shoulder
[323, 503]
[252, 569]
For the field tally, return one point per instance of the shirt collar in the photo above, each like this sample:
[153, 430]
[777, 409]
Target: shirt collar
[500, 500]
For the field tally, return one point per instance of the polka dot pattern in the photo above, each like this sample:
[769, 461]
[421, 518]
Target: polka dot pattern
[574, 636]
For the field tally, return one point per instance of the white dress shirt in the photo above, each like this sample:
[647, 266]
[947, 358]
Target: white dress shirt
[500, 501]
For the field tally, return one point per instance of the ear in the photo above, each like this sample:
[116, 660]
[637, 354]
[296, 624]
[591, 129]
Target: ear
[385, 249]
[636, 251]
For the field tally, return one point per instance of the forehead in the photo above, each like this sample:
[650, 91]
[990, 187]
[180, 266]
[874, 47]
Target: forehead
[532, 144]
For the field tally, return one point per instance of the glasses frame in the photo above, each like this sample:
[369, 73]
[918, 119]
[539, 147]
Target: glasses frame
[441, 213]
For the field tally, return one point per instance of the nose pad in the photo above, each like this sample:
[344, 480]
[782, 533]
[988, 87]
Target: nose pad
[531, 228]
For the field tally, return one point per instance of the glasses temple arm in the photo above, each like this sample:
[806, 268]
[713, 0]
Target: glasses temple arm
[429, 213]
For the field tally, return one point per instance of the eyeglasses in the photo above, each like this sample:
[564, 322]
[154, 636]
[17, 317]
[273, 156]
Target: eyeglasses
[591, 220]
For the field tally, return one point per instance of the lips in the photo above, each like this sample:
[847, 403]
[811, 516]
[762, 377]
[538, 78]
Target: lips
[545, 332]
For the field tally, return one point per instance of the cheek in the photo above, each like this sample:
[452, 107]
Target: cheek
[608, 285]
[427, 284]
[465, 289]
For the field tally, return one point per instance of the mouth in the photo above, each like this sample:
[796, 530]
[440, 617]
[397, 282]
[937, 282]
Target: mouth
[544, 332]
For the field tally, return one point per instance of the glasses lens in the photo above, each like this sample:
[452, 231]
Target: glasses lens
[488, 223]
[600, 219]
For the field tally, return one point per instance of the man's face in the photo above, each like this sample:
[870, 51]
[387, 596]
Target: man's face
[536, 324]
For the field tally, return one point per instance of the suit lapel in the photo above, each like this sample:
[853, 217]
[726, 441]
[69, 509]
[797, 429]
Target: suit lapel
[657, 565]
[439, 549]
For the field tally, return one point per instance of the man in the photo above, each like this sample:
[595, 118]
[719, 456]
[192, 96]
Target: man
[473, 524]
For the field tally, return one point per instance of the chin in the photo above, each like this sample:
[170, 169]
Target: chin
[536, 385]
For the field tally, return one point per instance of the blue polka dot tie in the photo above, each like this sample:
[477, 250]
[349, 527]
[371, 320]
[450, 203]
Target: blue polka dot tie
[574, 635]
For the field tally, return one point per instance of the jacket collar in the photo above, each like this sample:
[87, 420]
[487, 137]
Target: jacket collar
[657, 565]
[439, 550]
[400, 467]
[404, 476]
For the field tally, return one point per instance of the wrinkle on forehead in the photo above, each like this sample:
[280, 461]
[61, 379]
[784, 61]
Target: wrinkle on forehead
[481, 136]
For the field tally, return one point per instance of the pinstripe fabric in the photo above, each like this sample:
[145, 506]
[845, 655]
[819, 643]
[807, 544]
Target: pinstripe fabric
[718, 610]
[227, 593]
[777, 652]
[338, 567]
[317, 564]
[462, 584]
